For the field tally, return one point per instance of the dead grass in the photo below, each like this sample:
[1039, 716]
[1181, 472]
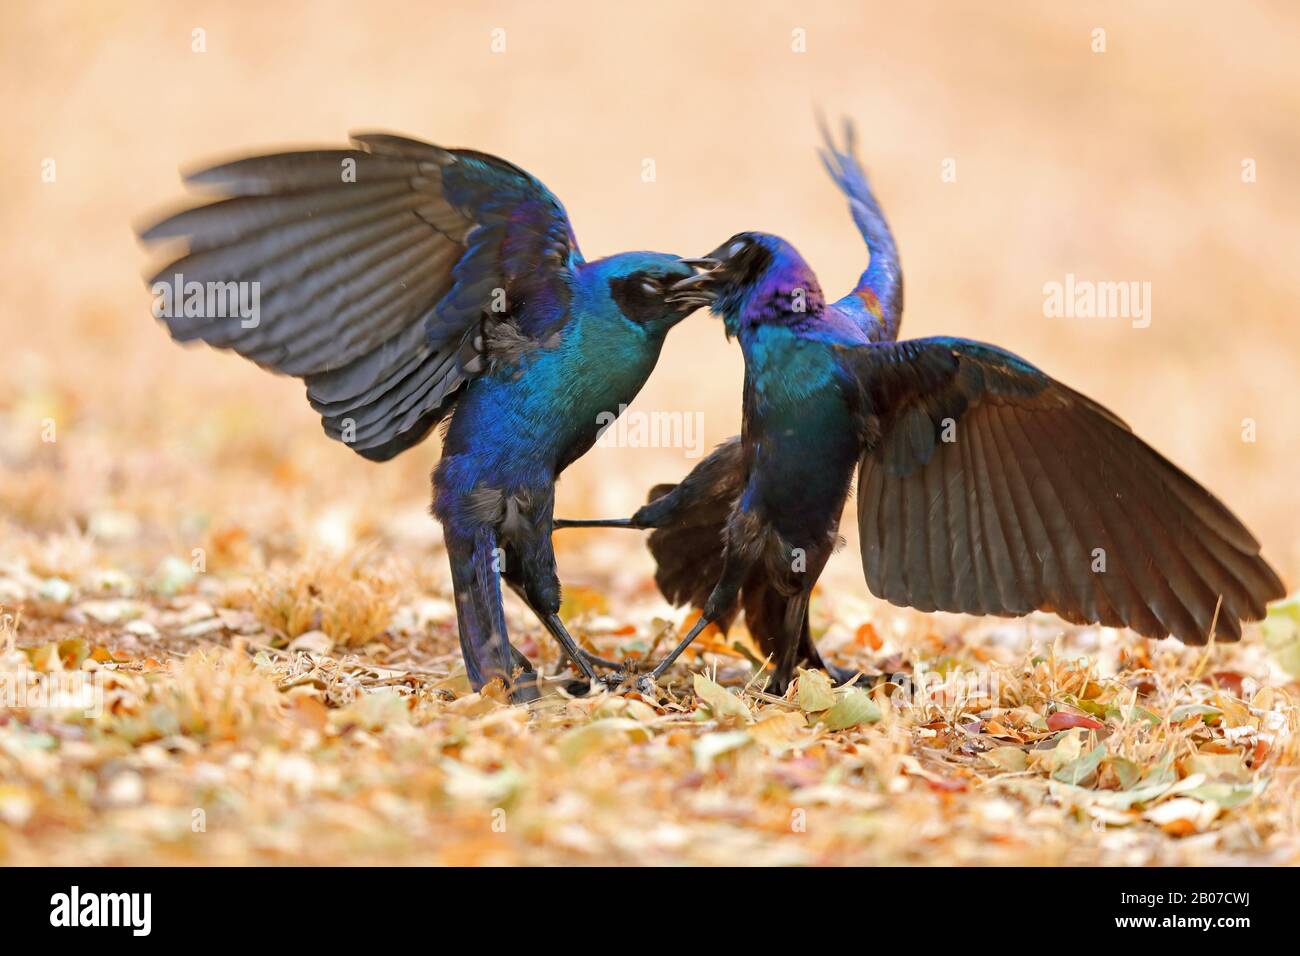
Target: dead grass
[997, 742]
[349, 600]
[279, 682]
[156, 542]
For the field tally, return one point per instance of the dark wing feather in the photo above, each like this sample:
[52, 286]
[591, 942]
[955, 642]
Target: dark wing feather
[375, 267]
[986, 487]
[690, 526]
[876, 302]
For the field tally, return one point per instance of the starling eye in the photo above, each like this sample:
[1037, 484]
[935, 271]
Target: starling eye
[649, 287]
[735, 248]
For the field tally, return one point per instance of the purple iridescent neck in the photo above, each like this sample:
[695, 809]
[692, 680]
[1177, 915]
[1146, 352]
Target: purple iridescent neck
[784, 291]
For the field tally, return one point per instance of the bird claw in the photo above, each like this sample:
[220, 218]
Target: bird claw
[842, 675]
[624, 674]
[524, 689]
[576, 687]
[590, 660]
[614, 680]
[600, 661]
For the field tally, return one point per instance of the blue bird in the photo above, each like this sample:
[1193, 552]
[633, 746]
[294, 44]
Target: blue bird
[408, 284]
[983, 485]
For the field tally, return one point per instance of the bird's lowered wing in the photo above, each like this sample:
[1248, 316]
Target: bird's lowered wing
[876, 302]
[987, 487]
[374, 267]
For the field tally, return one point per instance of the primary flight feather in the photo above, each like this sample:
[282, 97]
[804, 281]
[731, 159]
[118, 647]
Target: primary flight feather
[407, 284]
[983, 485]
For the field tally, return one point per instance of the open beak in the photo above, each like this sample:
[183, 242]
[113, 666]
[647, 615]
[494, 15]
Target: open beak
[696, 290]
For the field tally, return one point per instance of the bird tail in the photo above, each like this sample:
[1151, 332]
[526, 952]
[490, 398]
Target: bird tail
[690, 536]
[778, 623]
[690, 522]
[876, 302]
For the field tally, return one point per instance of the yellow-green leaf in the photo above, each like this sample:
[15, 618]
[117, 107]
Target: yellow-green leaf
[815, 692]
[1187, 711]
[1225, 795]
[1282, 633]
[852, 708]
[711, 746]
[1081, 769]
[1227, 767]
[1127, 772]
[723, 704]
[1011, 759]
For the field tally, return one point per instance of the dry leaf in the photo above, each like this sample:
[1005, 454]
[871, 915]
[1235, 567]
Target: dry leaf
[314, 642]
[780, 731]
[723, 704]
[1063, 721]
[1012, 759]
[1182, 816]
[600, 735]
[815, 692]
[852, 707]
[708, 748]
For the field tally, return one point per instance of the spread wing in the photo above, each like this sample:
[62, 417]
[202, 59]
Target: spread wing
[987, 487]
[372, 269]
[876, 302]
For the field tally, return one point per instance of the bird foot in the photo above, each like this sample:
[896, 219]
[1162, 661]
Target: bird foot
[524, 688]
[624, 674]
[842, 675]
[576, 687]
[591, 660]
[600, 661]
[614, 680]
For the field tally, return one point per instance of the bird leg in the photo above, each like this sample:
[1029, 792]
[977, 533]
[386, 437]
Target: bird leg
[525, 684]
[656, 514]
[576, 654]
[531, 572]
[704, 621]
[595, 661]
[842, 675]
[595, 523]
[720, 601]
[810, 657]
[521, 591]
[480, 617]
[603, 662]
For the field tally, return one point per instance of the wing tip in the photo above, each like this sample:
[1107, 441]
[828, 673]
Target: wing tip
[383, 143]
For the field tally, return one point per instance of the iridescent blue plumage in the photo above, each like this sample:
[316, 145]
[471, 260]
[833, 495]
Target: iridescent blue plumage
[406, 283]
[984, 486]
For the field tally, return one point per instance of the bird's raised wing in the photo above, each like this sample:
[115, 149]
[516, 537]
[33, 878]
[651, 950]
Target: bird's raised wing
[374, 268]
[987, 487]
[876, 302]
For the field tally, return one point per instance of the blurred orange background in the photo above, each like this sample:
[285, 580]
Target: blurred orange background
[1122, 165]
